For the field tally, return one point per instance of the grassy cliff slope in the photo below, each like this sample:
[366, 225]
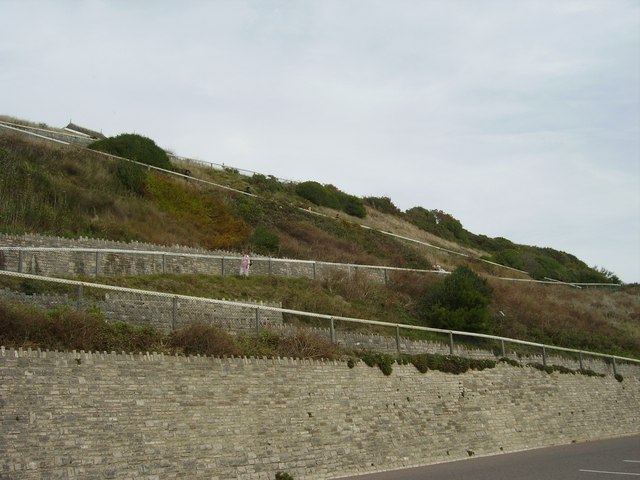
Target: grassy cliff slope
[68, 191]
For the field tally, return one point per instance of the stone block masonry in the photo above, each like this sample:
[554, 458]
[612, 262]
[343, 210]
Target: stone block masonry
[100, 415]
[163, 259]
[163, 313]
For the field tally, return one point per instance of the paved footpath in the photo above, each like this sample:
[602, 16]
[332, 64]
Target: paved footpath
[612, 459]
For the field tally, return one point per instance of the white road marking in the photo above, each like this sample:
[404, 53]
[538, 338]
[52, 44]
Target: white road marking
[632, 461]
[611, 473]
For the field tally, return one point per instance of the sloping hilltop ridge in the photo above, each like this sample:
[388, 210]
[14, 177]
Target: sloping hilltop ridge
[433, 227]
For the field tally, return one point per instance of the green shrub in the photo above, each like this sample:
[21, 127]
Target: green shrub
[565, 370]
[541, 367]
[121, 336]
[132, 176]
[459, 302]
[353, 206]
[446, 363]
[382, 204]
[483, 364]
[331, 197]
[249, 210]
[449, 364]
[316, 193]
[439, 223]
[589, 373]
[421, 362]
[349, 204]
[267, 183]
[134, 147]
[511, 258]
[508, 361]
[265, 241]
[562, 369]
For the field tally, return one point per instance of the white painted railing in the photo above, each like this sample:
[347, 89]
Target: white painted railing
[332, 319]
[270, 260]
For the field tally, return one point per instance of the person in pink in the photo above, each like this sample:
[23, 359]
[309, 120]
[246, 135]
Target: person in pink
[245, 263]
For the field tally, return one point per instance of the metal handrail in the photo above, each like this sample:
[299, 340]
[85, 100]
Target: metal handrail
[321, 316]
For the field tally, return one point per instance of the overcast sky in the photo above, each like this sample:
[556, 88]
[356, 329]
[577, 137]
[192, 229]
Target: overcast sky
[519, 118]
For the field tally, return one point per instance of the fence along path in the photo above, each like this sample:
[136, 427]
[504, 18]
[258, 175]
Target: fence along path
[331, 320]
[115, 261]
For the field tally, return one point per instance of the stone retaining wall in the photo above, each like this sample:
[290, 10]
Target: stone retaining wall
[166, 260]
[152, 417]
[162, 313]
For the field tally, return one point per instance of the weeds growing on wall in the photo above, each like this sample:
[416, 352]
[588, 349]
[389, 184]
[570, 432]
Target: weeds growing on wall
[283, 476]
[376, 359]
[562, 369]
[423, 362]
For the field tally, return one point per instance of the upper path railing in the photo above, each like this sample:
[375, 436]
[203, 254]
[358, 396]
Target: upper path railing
[45, 134]
[225, 264]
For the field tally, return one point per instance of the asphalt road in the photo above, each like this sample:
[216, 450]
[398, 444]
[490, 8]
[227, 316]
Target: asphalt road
[612, 459]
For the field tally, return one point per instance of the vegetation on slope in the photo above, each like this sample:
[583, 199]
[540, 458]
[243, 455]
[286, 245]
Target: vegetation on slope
[540, 263]
[66, 191]
[331, 197]
[134, 147]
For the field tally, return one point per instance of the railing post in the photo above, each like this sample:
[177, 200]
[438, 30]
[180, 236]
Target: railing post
[450, 343]
[79, 305]
[257, 321]
[502, 349]
[174, 315]
[270, 267]
[20, 260]
[222, 266]
[164, 263]
[544, 355]
[615, 367]
[580, 358]
[97, 262]
[398, 339]
[332, 331]
[386, 279]
[314, 270]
